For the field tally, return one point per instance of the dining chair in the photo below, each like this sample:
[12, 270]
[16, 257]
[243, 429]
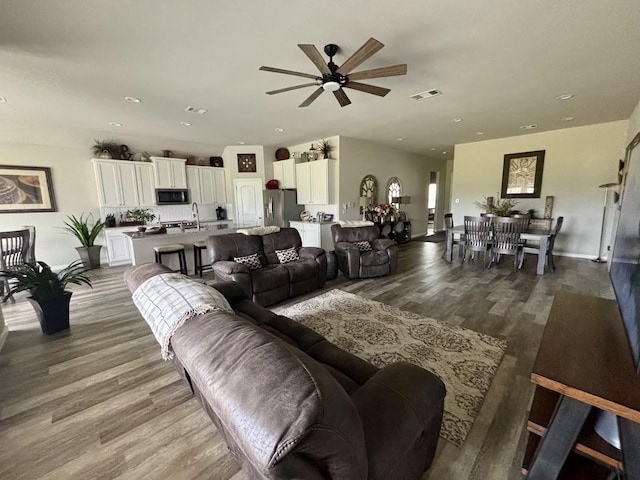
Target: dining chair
[477, 237]
[506, 239]
[448, 225]
[14, 252]
[524, 217]
[531, 248]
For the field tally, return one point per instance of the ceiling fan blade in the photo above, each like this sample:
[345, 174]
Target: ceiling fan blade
[363, 87]
[312, 97]
[342, 98]
[380, 72]
[288, 72]
[273, 92]
[314, 55]
[370, 47]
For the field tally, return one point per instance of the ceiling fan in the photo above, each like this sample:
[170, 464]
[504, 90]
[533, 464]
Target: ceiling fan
[334, 78]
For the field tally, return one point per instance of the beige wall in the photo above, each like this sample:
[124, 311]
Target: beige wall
[634, 124]
[360, 158]
[577, 160]
[75, 191]
[230, 158]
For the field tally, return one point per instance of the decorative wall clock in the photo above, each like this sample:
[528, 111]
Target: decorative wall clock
[246, 162]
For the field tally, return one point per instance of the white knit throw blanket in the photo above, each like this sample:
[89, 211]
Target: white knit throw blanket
[168, 300]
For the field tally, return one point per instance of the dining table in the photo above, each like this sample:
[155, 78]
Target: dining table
[539, 235]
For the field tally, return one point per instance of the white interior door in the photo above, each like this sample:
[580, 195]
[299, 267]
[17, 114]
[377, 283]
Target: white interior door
[249, 206]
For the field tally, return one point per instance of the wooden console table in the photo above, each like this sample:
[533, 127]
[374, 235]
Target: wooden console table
[584, 361]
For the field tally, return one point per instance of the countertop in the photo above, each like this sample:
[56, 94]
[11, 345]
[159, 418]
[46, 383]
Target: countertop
[216, 228]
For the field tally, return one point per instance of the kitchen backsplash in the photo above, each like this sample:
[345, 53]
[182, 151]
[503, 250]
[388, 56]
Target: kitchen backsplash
[172, 213]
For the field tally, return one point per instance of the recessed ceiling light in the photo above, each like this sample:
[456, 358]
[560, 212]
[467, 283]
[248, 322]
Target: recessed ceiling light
[479, 133]
[433, 148]
[279, 129]
[185, 124]
[400, 139]
[456, 120]
[567, 119]
[241, 143]
[444, 153]
[529, 127]
[3, 99]
[132, 99]
[115, 124]
[565, 96]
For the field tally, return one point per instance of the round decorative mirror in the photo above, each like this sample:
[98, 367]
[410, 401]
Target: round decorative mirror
[369, 189]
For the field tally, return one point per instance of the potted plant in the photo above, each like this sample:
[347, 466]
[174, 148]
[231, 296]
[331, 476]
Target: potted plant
[105, 149]
[143, 215]
[500, 207]
[89, 253]
[49, 296]
[325, 148]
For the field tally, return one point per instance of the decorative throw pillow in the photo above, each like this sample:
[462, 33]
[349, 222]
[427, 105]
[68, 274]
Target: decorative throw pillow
[287, 255]
[363, 246]
[251, 261]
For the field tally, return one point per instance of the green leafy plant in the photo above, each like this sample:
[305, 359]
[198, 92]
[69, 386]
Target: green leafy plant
[325, 147]
[141, 215]
[109, 145]
[80, 228]
[499, 206]
[41, 282]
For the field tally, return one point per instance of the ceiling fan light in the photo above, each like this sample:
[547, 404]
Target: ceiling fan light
[331, 86]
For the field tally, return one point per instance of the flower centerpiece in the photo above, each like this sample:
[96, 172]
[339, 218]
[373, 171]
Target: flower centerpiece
[383, 210]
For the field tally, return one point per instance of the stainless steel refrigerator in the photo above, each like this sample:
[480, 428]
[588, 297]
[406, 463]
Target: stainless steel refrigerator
[280, 206]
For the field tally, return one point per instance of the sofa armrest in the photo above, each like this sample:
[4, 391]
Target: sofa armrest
[344, 246]
[229, 268]
[310, 252]
[232, 291]
[382, 243]
[401, 408]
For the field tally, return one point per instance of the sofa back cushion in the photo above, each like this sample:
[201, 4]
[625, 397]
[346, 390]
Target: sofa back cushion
[285, 238]
[230, 245]
[354, 234]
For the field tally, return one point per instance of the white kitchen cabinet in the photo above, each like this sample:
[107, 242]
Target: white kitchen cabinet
[118, 251]
[315, 182]
[117, 183]
[314, 234]
[206, 185]
[170, 172]
[145, 183]
[285, 172]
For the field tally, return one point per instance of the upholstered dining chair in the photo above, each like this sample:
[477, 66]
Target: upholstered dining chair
[506, 239]
[448, 225]
[14, 252]
[529, 248]
[477, 237]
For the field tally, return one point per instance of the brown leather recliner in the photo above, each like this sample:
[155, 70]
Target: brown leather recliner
[292, 405]
[354, 263]
[274, 282]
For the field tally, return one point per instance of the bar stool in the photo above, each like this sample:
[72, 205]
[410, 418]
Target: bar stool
[198, 247]
[161, 250]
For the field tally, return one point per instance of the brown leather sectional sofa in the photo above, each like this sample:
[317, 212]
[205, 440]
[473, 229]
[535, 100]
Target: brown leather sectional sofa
[274, 282]
[292, 405]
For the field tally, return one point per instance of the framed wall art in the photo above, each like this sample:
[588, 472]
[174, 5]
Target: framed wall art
[26, 189]
[522, 174]
[247, 162]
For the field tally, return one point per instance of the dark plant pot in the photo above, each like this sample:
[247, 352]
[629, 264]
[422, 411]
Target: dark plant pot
[90, 256]
[53, 314]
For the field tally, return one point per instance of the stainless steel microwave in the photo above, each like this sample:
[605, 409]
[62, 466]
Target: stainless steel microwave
[171, 196]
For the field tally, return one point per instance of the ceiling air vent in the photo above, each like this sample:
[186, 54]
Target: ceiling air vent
[529, 127]
[428, 94]
[199, 111]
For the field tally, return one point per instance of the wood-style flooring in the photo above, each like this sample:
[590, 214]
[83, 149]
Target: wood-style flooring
[99, 403]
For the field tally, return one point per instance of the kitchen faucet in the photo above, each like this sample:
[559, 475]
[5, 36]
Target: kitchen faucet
[196, 214]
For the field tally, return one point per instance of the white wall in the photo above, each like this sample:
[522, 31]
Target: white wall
[577, 160]
[634, 124]
[360, 158]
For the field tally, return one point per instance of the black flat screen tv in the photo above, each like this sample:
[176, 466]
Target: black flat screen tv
[625, 261]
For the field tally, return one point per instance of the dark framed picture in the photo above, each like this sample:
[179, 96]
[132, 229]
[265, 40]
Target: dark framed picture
[522, 174]
[247, 162]
[26, 189]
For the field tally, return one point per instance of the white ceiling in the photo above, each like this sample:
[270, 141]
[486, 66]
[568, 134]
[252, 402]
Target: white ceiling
[66, 66]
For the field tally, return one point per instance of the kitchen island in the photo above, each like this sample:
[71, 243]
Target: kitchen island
[141, 244]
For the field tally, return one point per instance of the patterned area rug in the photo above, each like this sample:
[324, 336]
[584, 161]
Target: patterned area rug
[465, 360]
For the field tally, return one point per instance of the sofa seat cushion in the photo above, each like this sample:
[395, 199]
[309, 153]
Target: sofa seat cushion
[301, 270]
[269, 277]
[374, 258]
